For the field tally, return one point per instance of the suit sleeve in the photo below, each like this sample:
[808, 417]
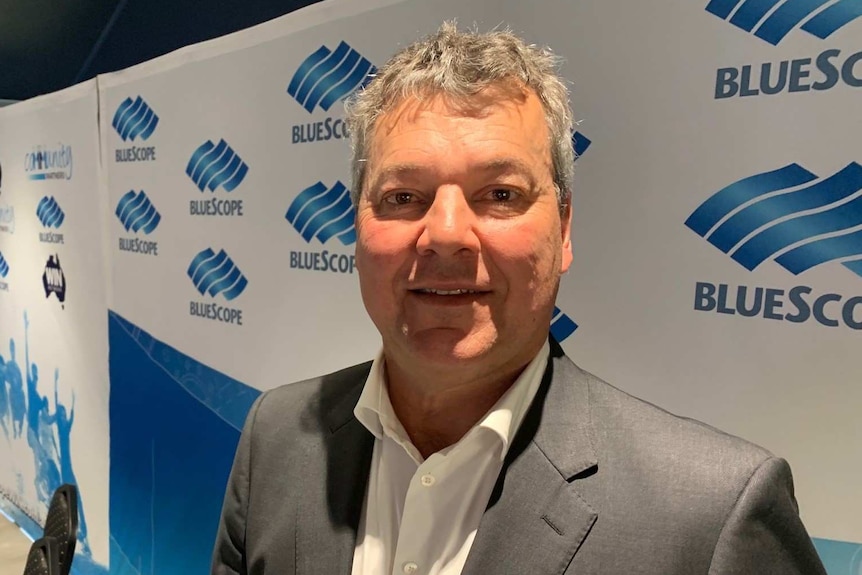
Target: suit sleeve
[763, 535]
[229, 556]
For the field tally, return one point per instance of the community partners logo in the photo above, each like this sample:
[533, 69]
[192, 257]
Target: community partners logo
[216, 166]
[135, 120]
[49, 162]
[321, 214]
[215, 274]
[323, 78]
[137, 214]
[50, 215]
[4, 271]
[797, 219]
[7, 212]
[53, 279]
[772, 21]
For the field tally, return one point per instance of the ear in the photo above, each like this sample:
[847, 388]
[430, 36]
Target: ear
[566, 230]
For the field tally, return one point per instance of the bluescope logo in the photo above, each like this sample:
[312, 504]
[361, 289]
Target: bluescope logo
[134, 120]
[580, 143]
[562, 325]
[51, 216]
[771, 21]
[321, 214]
[215, 274]
[800, 221]
[322, 79]
[137, 214]
[49, 163]
[212, 166]
[53, 279]
[4, 271]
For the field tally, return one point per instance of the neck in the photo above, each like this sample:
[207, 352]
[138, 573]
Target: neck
[437, 407]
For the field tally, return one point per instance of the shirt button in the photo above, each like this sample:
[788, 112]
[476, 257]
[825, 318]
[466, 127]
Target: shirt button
[410, 567]
[427, 480]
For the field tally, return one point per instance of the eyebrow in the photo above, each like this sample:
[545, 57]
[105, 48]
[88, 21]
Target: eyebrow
[494, 167]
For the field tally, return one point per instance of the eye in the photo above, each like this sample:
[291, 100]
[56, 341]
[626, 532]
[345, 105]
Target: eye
[399, 198]
[502, 195]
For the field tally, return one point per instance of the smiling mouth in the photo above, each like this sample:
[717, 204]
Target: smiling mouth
[448, 291]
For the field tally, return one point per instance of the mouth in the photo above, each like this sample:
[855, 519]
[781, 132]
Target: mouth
[447, 291]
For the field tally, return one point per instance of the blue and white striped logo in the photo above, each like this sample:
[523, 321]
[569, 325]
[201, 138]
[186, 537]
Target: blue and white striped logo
[789, 215]
[562, 325]
[4, 267]
[772, 20]
[137, 213]
[580, 143]
[328, 76]
[323, 213]
[214, 165]
[215, 273]
[49, 212]
[134, 118]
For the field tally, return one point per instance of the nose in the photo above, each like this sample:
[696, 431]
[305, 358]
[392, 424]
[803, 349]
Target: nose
[449, 225]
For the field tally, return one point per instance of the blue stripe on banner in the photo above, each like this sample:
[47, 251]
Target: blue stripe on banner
[753, 252]
[751, 12]
[215, 273]
[130, 207]
[356, 77]
[148, 131]
[197, 156]
[818, 252]
[236, 289]
[40, 208]
[136, 212]
[839, 557]
[153, 223]
[307, 65]
[305, 196]
[205, 161]
[135, 131]
[842, 185]
[580, 143]
[127, 197]
[833, 18]
[332, 79]
[854, 266]
[133, 119]
[215, 166]
[225, 174]
[783, 20]
[348, 237]
[128, 113]
[342, 224]
[328, 215]
[319, 71]
[563, 327]
[37, 176]
[237, 178]
[316, 205]
[731, 197]
[198, 266]
[120, 111]
[722, 8]
[145, 218]
[228, 279]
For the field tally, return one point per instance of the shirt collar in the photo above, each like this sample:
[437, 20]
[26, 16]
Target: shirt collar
[375, 412]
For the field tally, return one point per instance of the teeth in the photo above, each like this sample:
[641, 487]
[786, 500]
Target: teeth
[447, 292]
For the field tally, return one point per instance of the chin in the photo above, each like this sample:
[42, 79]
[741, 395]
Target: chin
[452, 348]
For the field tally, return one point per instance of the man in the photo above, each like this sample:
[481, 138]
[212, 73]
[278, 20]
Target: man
[472, 444]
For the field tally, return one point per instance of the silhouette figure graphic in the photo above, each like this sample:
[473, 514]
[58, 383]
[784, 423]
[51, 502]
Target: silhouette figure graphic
[16, 392]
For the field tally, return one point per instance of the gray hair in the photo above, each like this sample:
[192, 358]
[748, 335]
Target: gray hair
[460, 65]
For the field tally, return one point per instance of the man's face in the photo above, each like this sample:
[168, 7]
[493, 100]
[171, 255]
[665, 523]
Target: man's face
[461, 241]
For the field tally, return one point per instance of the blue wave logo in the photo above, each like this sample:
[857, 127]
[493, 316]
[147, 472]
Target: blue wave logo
[137, 213]
[323, 213]
[216, 274]
[4, 267]
[328, 76]
[772, 24]
[562, 325]
[214, 165]
[135, 118]
[789, 215]
[580, 143]
[49, 212]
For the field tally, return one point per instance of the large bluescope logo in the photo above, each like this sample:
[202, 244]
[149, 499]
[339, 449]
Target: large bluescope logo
[328, 76]
[562, 325]
[137, 213]
[215, 274]
[4, 267]
[133, 119]
[772, 20]
[788, 214]
[214, 165]
[49, 212]
[323, 213]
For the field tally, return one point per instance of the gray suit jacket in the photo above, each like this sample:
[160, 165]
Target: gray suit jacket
[596, 482]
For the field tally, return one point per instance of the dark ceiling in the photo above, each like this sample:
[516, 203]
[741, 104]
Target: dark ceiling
[47, 45]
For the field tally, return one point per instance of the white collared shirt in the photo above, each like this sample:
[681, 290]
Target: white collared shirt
[420, 516]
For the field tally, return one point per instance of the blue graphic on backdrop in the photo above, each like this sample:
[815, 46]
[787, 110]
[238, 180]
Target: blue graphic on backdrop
[49, 212]
[137, 213]
[53, 278]
[323, 213]
[562, 325]
[46, 163]
[216, 274]
[4, 266]
[328, 76]
[214, 165]
[169, 470]
[135, 118]
[751, 222]
[48, 434]
[759, 18]
[580, 143]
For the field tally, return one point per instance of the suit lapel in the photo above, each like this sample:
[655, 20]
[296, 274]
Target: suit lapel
[536, 520]
[325, 541]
